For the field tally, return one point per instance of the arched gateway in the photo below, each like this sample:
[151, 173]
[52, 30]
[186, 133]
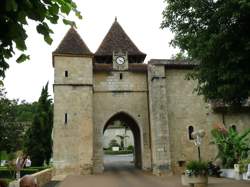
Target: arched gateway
[154, 100]
[129, 122]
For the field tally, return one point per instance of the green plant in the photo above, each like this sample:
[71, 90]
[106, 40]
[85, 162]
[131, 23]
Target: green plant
[232, 146]
[11, 165]
[3, 155]
[38, 142]
[130, 147]
[195, 167]
[243, 165]
[121, 152]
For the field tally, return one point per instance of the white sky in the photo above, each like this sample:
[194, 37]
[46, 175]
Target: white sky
[139, 18]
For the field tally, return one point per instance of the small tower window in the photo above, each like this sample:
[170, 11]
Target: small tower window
[121, 76]
[65, 118]
[66, 73]
[190, 131]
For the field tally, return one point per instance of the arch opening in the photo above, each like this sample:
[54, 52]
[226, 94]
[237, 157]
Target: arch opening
[128, 127]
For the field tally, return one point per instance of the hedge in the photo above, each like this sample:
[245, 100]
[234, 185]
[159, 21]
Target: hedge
[121, 152]
[5, 173]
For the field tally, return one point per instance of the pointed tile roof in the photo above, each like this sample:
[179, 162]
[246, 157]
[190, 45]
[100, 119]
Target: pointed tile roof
[117, 40]
[72, 44]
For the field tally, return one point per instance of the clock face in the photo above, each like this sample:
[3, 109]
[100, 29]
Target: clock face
[120, 60]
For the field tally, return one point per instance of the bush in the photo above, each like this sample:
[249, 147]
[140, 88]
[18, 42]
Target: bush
[5, 172]
[232, 146]
[197, 168]
[121, 152]
[3, 155]
[243, 165]
[130, 147]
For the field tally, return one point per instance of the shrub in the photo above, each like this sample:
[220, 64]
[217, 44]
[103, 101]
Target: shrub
[3, 155]
[130, 147]
[232, 146]
[197, 168]
[110, 152]
[243, 165]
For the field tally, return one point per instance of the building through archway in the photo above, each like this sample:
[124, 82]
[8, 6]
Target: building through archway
[129, 123]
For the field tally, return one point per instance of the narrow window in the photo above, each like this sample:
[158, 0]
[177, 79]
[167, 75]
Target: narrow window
[66, 73]
[121, 76]
[65, 118]
[190, 131]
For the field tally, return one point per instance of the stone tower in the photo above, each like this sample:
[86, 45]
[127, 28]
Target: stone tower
[73, 98]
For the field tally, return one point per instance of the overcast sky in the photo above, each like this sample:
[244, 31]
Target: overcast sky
[139, 18]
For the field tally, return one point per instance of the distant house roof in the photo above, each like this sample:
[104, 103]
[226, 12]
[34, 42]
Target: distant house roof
[72, 44]
[117, 40]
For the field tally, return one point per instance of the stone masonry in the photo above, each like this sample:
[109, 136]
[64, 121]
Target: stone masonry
[154, 99]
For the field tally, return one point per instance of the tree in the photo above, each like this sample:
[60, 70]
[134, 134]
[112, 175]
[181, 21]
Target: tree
[180, 56]
[25, 111]
[11, 131]
[38, 141]
[215, 33]
[122, 138]
[13, 18]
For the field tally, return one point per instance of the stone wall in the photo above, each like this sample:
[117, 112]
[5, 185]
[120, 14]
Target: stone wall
[161, 158]
[73, 116]
[186, 109]
[42, 178]
[161, 103]
[79, 70]
[113, 95]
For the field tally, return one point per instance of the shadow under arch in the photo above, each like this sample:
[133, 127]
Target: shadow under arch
[133, 125]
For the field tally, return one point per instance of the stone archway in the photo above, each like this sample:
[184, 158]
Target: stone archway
[134, 127]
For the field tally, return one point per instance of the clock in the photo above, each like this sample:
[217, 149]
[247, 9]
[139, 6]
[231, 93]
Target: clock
[120, 60]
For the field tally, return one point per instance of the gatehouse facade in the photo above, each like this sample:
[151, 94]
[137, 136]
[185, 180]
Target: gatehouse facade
[92, 90]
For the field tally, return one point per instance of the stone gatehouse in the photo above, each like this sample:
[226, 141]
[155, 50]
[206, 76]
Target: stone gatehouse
[154, 100]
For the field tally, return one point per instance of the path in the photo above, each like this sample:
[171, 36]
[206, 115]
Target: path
[121, 173]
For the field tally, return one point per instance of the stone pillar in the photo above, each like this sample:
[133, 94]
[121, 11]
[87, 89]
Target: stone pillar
[98, 151]
[159, 120]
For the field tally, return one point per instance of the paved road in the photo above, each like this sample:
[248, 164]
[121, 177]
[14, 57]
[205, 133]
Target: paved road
[121, 173]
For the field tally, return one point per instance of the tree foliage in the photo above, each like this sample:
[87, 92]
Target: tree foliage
[216, 33]
[122, 138]
[38, 138]
[11, 131]
[14, 15]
